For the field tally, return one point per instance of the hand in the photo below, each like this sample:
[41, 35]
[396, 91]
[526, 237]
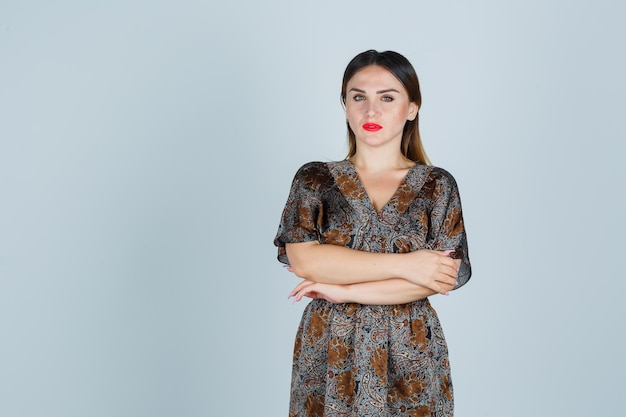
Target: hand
[432, 269]
[329, 292]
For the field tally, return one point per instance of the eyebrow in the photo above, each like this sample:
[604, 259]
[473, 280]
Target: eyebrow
[389, 90]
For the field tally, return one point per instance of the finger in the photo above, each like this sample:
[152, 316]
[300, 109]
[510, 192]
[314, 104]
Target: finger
[299, 287]
[446, 267]
[450, 267]
[446, 276]
[457, 264]
[436, 287]
[298, 297]
[447, 288]
[442, 290]
[452, 270]
[306, 292]
[446, 260]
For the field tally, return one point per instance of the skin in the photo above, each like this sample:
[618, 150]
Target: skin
[339, 274]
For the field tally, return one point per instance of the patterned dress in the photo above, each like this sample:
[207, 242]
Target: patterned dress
[372, 360]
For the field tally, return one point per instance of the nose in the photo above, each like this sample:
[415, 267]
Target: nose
[372, 108]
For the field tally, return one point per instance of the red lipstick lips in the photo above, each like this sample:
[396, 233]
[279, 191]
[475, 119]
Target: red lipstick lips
[372, 127]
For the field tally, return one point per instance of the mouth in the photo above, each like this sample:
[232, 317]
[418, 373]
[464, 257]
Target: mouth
[372, 127]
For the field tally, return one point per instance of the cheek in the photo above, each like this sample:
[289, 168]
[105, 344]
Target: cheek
[402, 114]
[352, 114]
[354, 124]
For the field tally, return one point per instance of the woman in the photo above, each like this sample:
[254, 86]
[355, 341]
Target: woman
[373, 236]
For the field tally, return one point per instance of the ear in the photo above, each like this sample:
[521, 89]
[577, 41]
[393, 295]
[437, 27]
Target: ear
[413, 109]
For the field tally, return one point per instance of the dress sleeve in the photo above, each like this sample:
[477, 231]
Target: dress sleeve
[447, 227]
[298, 222]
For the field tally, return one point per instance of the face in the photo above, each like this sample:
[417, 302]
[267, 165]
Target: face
[377, 107]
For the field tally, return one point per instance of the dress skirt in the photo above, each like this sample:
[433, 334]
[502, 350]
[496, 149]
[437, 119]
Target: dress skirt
[370, 360]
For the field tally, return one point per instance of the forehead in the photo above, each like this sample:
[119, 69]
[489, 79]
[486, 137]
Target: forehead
[374, 76]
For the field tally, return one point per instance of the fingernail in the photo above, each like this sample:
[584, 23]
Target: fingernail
[446, 294]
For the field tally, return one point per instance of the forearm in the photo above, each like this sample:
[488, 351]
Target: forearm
[332, 264]
[386, 292]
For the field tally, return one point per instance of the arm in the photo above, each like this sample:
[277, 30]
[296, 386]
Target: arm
[331, 264]
[391, 291]
[386, 292]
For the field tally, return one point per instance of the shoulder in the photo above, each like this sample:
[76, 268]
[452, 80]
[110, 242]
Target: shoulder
[441, 176]
[439, 182]
[314, 175]
[311, 168]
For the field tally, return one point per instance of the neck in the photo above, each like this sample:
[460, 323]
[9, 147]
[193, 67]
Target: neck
[379, 160]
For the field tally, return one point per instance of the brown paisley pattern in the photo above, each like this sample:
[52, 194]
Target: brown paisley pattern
[371, 360]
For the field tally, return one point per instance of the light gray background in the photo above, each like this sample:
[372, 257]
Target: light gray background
[146, 151]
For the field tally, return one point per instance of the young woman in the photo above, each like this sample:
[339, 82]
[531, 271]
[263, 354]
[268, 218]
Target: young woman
[372, 237]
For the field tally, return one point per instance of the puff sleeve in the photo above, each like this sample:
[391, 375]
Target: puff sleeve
[300, 217]
[447, 230]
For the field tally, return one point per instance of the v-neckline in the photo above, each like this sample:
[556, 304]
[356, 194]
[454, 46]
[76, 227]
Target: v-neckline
[403, 184]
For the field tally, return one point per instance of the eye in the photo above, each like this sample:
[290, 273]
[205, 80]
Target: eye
[387, 98]
[358, 97]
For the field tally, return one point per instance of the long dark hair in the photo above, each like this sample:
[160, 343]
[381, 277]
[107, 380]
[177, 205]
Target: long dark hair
[402, 69]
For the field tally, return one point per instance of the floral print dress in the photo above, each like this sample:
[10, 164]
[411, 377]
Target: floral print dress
[372, 360]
